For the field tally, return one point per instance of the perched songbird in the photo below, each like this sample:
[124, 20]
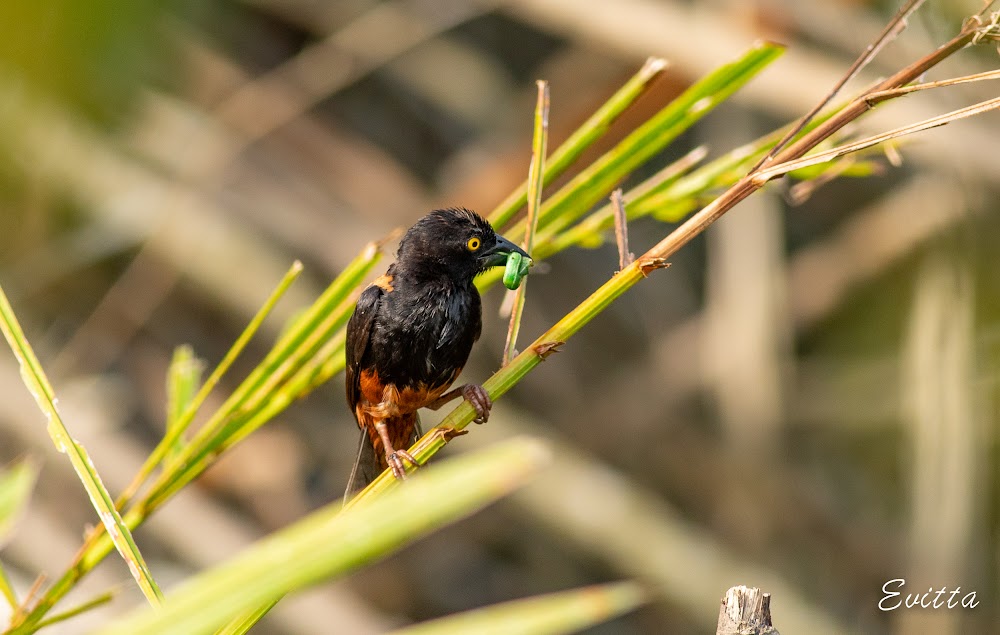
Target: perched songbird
[411, 333]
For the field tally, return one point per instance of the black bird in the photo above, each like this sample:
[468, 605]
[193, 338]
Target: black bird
[411, 333]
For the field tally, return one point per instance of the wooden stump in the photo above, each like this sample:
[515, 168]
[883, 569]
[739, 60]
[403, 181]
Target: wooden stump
[745, 611]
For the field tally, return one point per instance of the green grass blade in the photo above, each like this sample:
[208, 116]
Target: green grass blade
[591, 130]
[508, 376]
[259, 406]
[97, 545]
[16, 483]
[40, 388]
[242, 341]
[536, 171]
[573, 200]
[305, 338]
[244, 622]
[595, 182]
[590, 231]
[668, 196]
[183, 379]
[669, 200]
[553, 614]
[7, 589]
[90, 604]
[327, 362]
[172, 438]
[331, 542]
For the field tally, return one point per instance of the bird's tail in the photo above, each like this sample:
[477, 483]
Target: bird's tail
[366, 467]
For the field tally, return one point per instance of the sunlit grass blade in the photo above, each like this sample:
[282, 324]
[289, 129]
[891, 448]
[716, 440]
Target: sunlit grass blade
[591, 130]
[552, 614]
[327, 362]
[288, 356]
[669, 199]
[331, 542]
[183, 379]
[564, 208]
[171, 442]
[244, 622]
[590, 231]
[656, 257]
[93, 603]
[536, 170]
[235, 423]
[596, 181]
[668, 196]
[7, 589]
[40, 388]
[307, 336]
[16, 483]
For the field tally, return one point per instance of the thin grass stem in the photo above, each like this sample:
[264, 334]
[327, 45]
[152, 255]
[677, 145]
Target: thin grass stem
[93, 603]
[536, 172]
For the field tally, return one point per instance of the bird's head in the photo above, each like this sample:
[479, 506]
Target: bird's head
[456, 243]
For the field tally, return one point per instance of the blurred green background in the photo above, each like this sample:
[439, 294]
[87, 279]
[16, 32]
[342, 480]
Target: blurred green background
[805, 401]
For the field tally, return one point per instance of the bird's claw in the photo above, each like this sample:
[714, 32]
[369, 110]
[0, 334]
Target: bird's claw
[448, 433]
[480, 401]
[395, 461]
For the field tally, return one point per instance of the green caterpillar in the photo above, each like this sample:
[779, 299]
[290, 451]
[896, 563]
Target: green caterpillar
[517, 268]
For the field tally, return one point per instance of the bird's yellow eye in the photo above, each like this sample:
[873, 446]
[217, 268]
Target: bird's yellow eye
[473, 243]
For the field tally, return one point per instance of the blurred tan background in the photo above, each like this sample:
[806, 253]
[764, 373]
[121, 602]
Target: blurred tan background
[805, 401]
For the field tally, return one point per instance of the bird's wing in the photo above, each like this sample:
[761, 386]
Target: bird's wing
[359, 332]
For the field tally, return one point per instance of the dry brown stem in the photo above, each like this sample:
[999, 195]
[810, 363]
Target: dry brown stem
[759, 176]
[625, 257]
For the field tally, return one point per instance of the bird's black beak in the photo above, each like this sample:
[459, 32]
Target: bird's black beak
[496, 256]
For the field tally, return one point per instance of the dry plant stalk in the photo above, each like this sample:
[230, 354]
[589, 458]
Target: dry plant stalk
[625, 257]
[781, 161]
[888, 34]
[745, 611]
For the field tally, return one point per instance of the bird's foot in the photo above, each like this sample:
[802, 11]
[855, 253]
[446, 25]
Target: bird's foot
[395, 460]
[480, 401]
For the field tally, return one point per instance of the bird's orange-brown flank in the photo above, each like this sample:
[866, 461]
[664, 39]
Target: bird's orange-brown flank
[397, 408]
